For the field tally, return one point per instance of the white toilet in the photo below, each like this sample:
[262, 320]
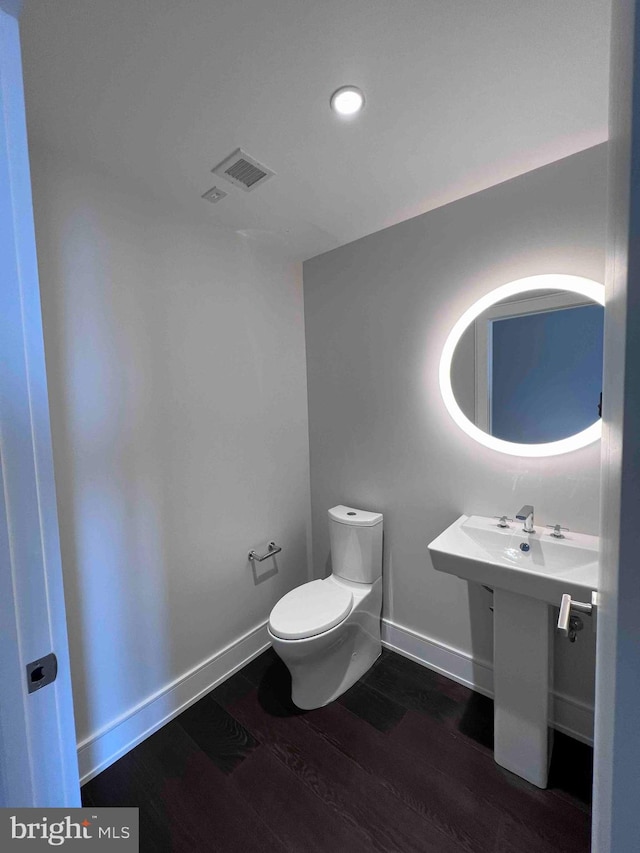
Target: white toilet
[327, 632]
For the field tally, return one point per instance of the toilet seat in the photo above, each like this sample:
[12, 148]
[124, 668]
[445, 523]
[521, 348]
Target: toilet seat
[310, 609]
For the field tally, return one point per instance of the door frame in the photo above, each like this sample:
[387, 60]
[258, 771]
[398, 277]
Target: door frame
[38, 765]
[616, 816]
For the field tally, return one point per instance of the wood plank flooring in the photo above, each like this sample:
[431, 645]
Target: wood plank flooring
[401, 762]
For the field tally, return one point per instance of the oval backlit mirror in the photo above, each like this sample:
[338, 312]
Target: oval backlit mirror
[521, 370]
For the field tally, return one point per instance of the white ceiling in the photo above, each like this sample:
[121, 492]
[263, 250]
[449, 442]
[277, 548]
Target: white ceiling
[461, 94]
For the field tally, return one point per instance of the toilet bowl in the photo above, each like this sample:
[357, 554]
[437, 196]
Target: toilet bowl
[327, 632]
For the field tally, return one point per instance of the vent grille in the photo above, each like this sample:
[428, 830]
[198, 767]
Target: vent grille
[243, 171]
[214, 194]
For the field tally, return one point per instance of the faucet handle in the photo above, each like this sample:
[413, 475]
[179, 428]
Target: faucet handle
[503, 522]
[557, 534]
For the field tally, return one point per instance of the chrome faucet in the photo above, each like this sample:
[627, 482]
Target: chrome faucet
[526, 515]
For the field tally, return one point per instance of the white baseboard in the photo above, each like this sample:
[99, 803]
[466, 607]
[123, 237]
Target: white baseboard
[101, 749]
[570, 716]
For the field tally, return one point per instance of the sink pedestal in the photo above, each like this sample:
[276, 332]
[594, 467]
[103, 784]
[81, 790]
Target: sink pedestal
[521, 634]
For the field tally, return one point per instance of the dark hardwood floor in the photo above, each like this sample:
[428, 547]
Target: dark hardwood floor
[401, 762]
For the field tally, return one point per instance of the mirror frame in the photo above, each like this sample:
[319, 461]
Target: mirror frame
[554, 281]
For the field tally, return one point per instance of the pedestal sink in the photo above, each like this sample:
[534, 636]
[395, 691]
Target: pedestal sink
[528, 572]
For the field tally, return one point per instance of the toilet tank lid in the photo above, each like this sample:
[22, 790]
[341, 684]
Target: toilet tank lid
[356, 517]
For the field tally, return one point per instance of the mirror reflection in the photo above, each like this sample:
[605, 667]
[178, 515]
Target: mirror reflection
[529, 369]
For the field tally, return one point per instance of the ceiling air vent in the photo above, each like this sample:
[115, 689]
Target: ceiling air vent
[243, 171]
[214, 194]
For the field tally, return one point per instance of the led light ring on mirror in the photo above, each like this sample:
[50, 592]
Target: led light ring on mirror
[574, 284]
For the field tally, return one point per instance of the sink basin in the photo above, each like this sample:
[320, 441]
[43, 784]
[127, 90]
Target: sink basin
[476, 549]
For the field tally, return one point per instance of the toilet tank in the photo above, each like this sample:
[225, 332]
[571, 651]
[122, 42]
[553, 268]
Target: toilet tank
[356, 544]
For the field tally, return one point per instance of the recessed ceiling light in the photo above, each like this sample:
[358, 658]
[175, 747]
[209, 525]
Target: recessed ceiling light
[347, 100]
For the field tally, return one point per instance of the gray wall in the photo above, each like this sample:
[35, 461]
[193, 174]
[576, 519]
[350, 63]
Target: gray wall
[377, 312]
[175, 361]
